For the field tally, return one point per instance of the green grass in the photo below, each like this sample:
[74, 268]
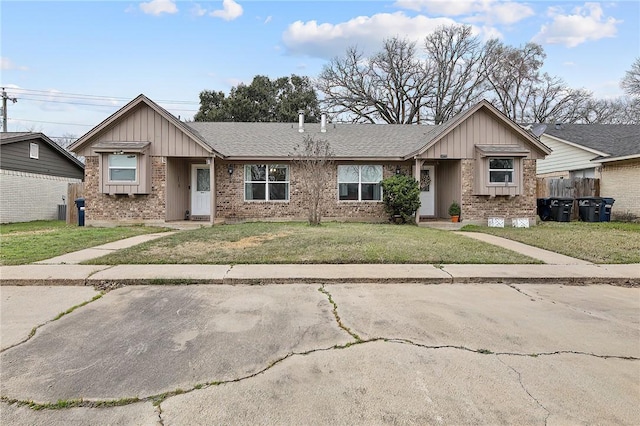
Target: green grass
[279, 243]
[599, 242]
[27, 242]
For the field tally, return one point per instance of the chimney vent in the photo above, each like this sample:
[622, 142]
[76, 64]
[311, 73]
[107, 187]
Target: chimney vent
[301, 121]
[323, 123]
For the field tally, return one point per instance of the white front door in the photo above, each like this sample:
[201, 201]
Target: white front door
[427, 193]
[200, 190]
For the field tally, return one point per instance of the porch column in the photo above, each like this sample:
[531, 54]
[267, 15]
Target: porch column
[212, 188]
[416, 175]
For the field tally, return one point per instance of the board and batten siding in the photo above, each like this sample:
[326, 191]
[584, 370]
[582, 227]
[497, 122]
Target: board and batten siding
[564, 157]
[143, 124]
[178, 193]
[15, 156]
[448, 186]
[481, 128]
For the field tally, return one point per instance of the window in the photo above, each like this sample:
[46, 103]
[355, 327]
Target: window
[501, 170]
[266, 182]
[359, 183]
[122, 167]
[34, 150]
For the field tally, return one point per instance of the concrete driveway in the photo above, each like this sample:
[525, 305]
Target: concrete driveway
[339, 354]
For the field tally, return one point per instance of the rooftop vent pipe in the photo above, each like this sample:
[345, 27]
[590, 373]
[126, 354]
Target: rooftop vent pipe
[301, 121]
[323, 123]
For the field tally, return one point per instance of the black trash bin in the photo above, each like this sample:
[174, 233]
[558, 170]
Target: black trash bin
[544, 208]
[605, 209]
[561, 209]
[80, 205]
[589, 209]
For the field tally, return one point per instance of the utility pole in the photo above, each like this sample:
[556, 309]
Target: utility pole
[4, 109]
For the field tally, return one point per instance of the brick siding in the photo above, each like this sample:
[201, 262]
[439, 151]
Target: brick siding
[232, 207]
[478, 208]
[103, 207]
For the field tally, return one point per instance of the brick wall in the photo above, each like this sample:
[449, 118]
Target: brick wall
[137, 208]
[232, 207]
[479, 208]
[621, 181]
[27, 196]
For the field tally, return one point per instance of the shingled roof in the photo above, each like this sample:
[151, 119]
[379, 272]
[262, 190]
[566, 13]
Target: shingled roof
[346, 140]
[616, 140]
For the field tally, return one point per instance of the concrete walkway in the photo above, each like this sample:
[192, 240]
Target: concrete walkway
[102, 250]
[549, 257]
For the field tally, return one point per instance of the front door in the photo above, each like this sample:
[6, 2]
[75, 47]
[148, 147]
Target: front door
[427, 193]
[200, 190]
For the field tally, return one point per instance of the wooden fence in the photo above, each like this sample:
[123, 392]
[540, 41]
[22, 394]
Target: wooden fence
[74, 191]
[568, 188]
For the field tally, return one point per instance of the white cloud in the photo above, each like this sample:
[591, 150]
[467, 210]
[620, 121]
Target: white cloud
[7, 64]
[586, 23]
[198, 10]
[326, 40]
[269, 18]
[230, 11]
[478, 11]
[158, 7]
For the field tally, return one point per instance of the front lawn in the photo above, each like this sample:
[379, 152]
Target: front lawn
[280, 243]
[597, 242]
[27, 242]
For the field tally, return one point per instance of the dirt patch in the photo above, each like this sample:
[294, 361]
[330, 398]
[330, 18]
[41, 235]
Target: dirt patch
[186, 250]
[21, 233]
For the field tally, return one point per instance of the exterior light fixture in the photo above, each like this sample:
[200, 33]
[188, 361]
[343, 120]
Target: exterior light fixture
[230, 169]
[398, 169]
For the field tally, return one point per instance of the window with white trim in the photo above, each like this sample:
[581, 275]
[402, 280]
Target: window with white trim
[266, 182]
[123, 167]
[501, 170]
[359, 183]
[34, 150]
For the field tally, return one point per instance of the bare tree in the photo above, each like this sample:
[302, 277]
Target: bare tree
[514, 74]
[456, 65]
[631, 81]
[554, 101]
[313, 158]
[390, 86]
[65, 141]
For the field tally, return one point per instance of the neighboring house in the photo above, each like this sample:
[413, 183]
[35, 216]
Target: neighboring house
[34, 176]
[144, 165]
[609, 152]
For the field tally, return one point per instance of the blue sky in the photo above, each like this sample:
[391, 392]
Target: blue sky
[73, 63]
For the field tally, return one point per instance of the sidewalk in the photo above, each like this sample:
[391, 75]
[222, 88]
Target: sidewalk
[64, 270]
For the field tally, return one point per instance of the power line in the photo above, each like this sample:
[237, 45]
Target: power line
[93, 104]
[50, 122]
[48, 93]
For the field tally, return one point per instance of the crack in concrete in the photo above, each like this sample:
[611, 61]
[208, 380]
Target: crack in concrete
[160, 419]
[546, 419]
[226, 274]
[157, 399]
[540, 298]
[337, 317]
[521, 292]
[442, 268]
[86, 280]
[57, 317]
